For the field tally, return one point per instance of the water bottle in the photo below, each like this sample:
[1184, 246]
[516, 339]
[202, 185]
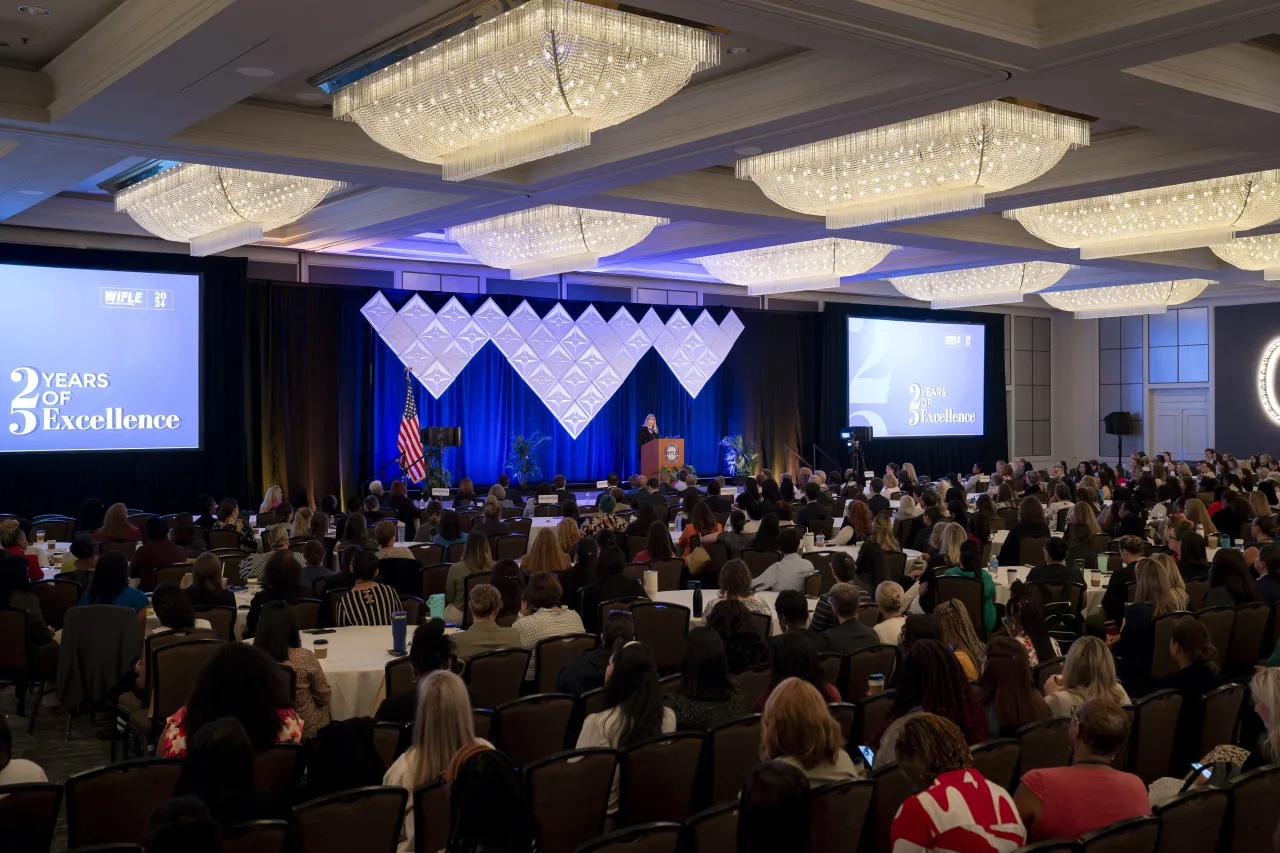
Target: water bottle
[697, 598]
[399, 627]
[993, 567]
[819, 540]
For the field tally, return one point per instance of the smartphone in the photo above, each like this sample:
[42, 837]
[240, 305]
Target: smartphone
[867, 755]
[1204, 771]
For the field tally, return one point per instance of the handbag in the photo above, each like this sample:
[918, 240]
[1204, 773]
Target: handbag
[696, 560]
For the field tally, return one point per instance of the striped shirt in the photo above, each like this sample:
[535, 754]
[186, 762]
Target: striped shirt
[255, 565]
[370, 606]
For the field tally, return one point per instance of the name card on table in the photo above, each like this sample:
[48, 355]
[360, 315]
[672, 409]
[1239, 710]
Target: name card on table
[546, 499]
[868, 474]
[602, 484]
[439, 493]
[984, 478]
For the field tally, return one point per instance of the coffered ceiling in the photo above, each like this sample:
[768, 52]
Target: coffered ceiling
[1181, 89]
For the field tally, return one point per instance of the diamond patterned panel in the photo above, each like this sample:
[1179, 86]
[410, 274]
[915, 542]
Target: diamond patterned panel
[574, 366]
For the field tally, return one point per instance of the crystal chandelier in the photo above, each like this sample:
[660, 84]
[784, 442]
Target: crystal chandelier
[981, 285]
[812, 265]
[1122, 300]
[551, 239]
[214, 208]
[936, 164]
[532, 82]
[1253, 253]
[1183, 216]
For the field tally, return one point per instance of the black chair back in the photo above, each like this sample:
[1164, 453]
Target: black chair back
[864, 663]
[533, 727]
[553, 652]
[365, 819]
[759, 559]
[734, 749]
[569, 795]
[28, 815]
[1219, 621]
[838, 813]
[1124, 836]
[1044, 744]
[1251, 817]
[1155, 728]
[110, 805]
[968, 591]
[658, 777]
[998, 760]
[1192, 821]
[1221, 715]
[662, 627]
[714, 830]
[1246, 639]
[892, 788]
[497, 675]
[56, 597]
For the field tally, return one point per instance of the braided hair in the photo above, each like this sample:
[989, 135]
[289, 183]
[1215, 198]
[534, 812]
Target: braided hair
[936, 743]
[932, 681]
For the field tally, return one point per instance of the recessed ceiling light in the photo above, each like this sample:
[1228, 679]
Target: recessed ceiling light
[747, 150]
[254, 71]
[35, 11]
[737, 51]
[30, 192]
[310, 96]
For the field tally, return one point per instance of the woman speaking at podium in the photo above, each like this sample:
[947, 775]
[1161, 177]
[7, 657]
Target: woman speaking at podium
[648, 431]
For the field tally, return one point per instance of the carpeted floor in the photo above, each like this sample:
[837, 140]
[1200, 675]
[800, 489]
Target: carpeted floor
[47, 748]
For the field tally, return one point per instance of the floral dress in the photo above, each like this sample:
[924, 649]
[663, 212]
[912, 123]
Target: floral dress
[173, 740]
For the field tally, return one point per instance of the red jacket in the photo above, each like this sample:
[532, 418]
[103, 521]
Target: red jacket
[34, 572]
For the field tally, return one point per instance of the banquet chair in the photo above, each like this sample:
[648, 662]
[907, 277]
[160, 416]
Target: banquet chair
[591, 702]
[714, 830]
[122, 546]
[997, 759]
[1123, 836]
[892, 788]
[754, 681]
[551, 653]
[428, 555]
[873, 712]
[623, 603]
[172, 574]
[1192, 821]
[306, 611]
[838, 813]
[1219, 621]
[29, 813]
[482, 721]
[432, 821]
[221, 616]
[1155, 724]
[569, 795]
[845, 714]
[56, 529]
[969, 592]
[1245, 646]
[366, 819]
[763, 623]
[387, 737]
[834, 670]
[231, 560]
[1162, 663]
[521, 526]
[1044, 671]
[635, 571]
[110, 804]
[532, 727]
[895, 565]
[1044, 744]
[869, 614]
[1251, 817]
[398, 677]
[636, 542]
[662, 627]
[403, 574]
[812, 583]
[433, 580]
[733, 749]
[1196, 589]
[1009, 515]
[668, 573]
[453, 553]
[513, 546]
[1066, 598]
[174, 661]
[821, 561]
[256, 836]
[657, 837]
[277, 770]
[469, 583]
[759, 559]
[414, 609]
[1221, 708]
[497, 675]
[56, 597]
[822, 526]
[1031, 550]
[219, 539]
[659, 777]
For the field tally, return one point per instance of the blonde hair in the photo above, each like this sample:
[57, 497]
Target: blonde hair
[1265, 686]
[957, 630]
[274, 497]
[115, 524]
[797, 724]
[1258, 501]
[545, 554]
[906, 502]
[444, 725]
[1196, 513]
[890, 598]
[275, 536]
[1184, 470]
[910, 470]
[890, 481]
[1083, 513]
[882, 535]
[301, 522]
[1089, 670]
[10, 533]
[567, 535]
[1156, 588]
[950, 540]
[492, 509]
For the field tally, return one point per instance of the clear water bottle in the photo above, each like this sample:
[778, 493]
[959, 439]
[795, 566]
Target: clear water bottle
[696, 586]
[993, 567]
[819, 540]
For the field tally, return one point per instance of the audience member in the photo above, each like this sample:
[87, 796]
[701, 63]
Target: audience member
[1264, 688]
[483, 783]
[890, 600]
[81, 560]
[116, 527]
[658, 545]
[1007, 690]
[1030, 525]
[1197, 674]
[1268, 568]
[508, 580]
[789, 572]
[845, 571]
[475, 560]
[111, 584]
[275, 539]
[773, 810]
[745, 645]
[586, 671]
[155, 552]
[1089, 672]
[14, 541]
[542, 616]
[282, 581]
[228, 520]
[545, 554]
[708, 695]
[931, 681]
[485, 634]
[277, 635]
[611, 584]
[1134, 648]
[735, 585]
[367, 602]
[181, 825]
[384, 533]
[450, 530]
[958, 633]
[1230, 580]
[1067, 802]
[15, 771]
[849, 635]
[798, 729]
[15, 591]
[1024, 620]
[796, 656]
[218, 770]
[971, 567]
[1055, 570]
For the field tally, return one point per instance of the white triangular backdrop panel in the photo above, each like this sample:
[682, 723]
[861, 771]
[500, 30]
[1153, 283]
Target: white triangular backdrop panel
[574, 366]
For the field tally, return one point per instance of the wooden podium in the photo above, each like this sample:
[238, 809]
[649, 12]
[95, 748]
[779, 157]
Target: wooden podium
[661, 453]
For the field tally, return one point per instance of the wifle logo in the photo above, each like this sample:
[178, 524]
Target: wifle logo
[42, 396]
[922, 397]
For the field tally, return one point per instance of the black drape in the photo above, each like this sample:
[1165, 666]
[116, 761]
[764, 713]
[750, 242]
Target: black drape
[933, 456]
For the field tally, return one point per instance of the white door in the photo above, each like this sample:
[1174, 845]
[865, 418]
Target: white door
[1180, 423]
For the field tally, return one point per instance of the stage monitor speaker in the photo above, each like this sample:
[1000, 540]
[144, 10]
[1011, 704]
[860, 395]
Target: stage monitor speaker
[442, 436]
[1118, 423]
[862, 434]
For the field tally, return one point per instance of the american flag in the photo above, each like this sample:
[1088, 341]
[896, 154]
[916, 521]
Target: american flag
[410, 440]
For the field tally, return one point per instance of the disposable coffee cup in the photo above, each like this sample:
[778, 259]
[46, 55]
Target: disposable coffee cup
[1095, 579]
[875, 684]
[321, 649]
[39, 535]
[1012, 576]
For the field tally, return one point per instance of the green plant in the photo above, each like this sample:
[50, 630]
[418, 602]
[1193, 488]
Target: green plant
[520, 462]
[676, 469]
[740, 455]
[438, 476]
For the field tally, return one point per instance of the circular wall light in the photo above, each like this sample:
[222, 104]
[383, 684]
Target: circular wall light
[1266, 373]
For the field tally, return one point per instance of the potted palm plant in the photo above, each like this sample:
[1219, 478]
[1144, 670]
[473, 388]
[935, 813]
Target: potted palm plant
[520, 460]
[741, 457]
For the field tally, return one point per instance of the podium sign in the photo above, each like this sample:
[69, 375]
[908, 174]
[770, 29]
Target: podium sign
[661, 453]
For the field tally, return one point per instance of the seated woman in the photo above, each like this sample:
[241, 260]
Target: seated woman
[795, 655]
[1089, 672]
[242, 682]
[845, 571]
[450, 532]
[15, 591]
[1067, 802]
[734, 537]
[116, 527]
[568, 535]
[1024, 621]
[958, 633]
[1231, 581]
[81, 561]
[857, 526]
[1030, 525]
[890, 601]
[658, 545]
[798, 729]
[368, 602]
[971, 567]
[606, 518]
[1197, 674]
[545, 554]
[633, 709]
[218, 770]
[277, 635]
[1134, 649]
[281, 581]
[735, 585]
[14, 541]
[957, 807]
[745, 647]
[483, 783]
[542, 616]
[702, 523]
[508, 580]
[773, 811]
[611, 583]
[708, 694]
[476, 559]
[228, 519]
[1007, 690]
[111, 584]
[929, 680]
[444, 730]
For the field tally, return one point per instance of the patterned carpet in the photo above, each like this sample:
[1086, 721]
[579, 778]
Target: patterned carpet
[47, 748]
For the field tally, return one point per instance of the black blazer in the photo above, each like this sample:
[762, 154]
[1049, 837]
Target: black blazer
[1136, 649]
[1113, 600]
[719, 503]
[850, 636]
[1055, 573]
[405, 512]
[1010, 551]
[645, 435]
[877, 503]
